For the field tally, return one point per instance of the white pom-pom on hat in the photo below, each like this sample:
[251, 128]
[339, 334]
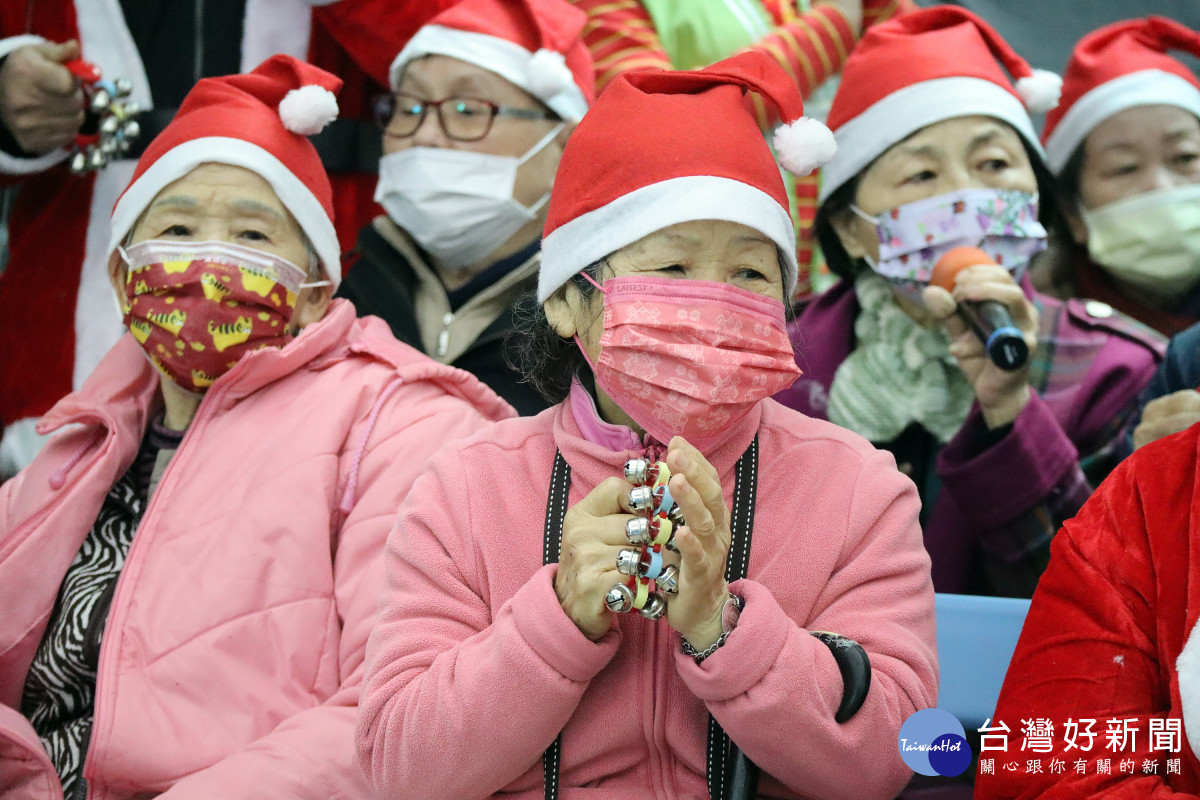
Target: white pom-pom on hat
[804, 145]
[548, 73]
[308, 110]
[1040, 91]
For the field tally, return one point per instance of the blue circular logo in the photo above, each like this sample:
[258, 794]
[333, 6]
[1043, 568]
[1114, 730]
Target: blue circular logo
[933, 742]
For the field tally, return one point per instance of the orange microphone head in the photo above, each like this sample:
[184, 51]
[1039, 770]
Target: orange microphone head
[954, 262]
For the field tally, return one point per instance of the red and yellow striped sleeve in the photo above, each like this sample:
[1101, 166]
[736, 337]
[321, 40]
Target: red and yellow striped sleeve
[621, 37]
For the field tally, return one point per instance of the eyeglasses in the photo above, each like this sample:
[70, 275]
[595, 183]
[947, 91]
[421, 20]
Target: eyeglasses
[464, 119]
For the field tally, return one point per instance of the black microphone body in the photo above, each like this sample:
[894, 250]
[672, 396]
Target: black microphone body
[994, 326]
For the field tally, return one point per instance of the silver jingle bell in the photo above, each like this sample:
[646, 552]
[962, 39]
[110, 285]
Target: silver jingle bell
[656, 606]
[668, 581]
[636, 470]
[79, 163]
[628, 561]
[641, 498]
[619, 598]
[132, 129]
[97, 159]
[101, 100]
[676, 516]
[637, 530]
[124, 87]
[109, 126]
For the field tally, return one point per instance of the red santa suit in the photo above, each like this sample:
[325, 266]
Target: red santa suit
[57, 315]
[1112, 635]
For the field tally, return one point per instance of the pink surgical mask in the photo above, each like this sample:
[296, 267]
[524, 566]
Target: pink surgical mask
[690, 358]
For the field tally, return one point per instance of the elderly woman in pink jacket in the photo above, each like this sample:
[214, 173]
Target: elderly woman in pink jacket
[510, 658]
[189, 570]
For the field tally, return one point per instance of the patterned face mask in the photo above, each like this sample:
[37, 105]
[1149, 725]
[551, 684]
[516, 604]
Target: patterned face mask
[690, 358]
[912, 237]
[197, 307]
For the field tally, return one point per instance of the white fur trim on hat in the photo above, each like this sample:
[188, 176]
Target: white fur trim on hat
[804, 145]
[548, 73]
[308, 110]
[1040, 91]
[1143, 88]
[1187, 669]
[902, 113]
[597, 234]
[507, 59]
[296, 197]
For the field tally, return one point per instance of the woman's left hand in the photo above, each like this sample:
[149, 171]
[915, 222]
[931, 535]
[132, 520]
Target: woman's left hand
[703, 546]
[1001, 394]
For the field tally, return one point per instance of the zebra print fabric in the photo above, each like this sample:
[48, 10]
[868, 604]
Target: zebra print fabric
[60, 690]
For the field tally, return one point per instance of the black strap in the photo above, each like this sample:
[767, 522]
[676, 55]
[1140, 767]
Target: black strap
[556, 510]
[722, 760]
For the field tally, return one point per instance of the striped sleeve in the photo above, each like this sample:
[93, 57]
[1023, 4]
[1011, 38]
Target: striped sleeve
[621, 37]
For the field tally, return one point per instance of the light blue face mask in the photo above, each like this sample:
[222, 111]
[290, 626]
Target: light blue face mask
[457, 204]
[912, 237]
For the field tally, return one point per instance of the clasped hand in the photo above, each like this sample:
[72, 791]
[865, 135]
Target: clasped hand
[594, 532]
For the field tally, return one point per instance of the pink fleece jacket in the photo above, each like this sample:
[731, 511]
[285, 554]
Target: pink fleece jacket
[474, 668]
[233, 655]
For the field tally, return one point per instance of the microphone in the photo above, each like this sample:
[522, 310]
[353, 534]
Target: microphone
[988, 319]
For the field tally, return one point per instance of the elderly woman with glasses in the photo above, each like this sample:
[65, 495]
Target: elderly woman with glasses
[484, 98]
[667, 560]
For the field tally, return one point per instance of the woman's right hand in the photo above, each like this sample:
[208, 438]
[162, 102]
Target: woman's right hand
[593, 534]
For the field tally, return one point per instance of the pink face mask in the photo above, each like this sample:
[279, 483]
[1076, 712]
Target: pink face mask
[690, 358]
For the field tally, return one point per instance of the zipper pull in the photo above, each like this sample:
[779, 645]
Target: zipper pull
[443, 340]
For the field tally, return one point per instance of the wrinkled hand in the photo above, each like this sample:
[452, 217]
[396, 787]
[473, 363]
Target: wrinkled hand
[703, 546]
[1001, 394]
[1168, 414]
[593, 534]
[853, 11]
[41, 102]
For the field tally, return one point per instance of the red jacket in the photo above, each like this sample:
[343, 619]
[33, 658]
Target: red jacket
[1111, 634]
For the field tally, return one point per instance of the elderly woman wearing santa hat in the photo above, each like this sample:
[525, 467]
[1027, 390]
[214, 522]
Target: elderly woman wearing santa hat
[1109, 657]
[575, 599]
[936, 151]
[484, 98]
[189, 569]
[1125, 145]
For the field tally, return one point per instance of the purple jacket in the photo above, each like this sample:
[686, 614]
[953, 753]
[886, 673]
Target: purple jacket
[1001, 500]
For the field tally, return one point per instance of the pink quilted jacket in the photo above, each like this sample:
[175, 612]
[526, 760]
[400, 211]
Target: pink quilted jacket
[233, 655]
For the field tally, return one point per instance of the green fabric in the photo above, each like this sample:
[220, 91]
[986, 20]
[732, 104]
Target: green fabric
[696, 33]
[899, 373]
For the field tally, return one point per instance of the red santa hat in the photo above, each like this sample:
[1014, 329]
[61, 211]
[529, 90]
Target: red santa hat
[660, 148]
[260, 121]
[533, 44]
[921, 68]
[1117, 67]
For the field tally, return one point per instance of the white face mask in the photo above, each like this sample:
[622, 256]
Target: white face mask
[457, 204]
[1150, 241]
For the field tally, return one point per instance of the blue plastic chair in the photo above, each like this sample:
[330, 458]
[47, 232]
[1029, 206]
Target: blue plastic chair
[976, 637]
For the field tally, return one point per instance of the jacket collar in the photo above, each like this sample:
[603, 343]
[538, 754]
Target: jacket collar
[597, 447]
[123, 389]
